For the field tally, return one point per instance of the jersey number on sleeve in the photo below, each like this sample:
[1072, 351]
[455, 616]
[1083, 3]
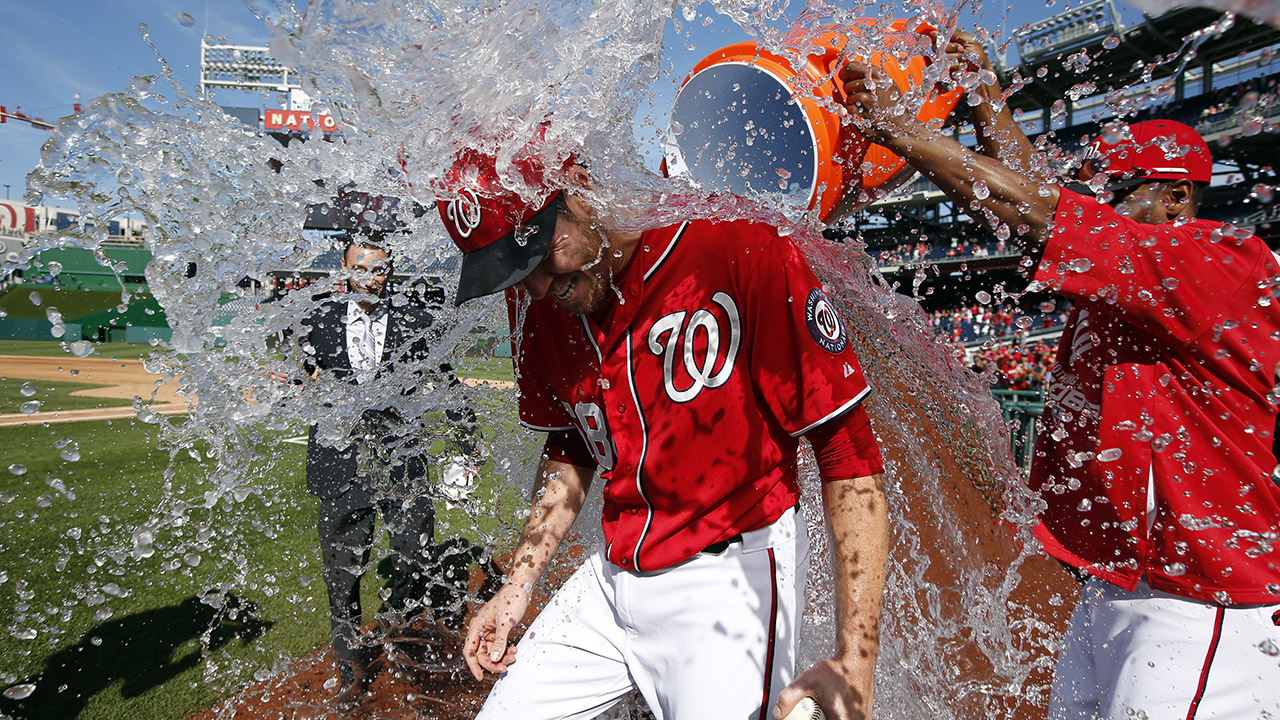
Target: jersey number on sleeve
[595, 431]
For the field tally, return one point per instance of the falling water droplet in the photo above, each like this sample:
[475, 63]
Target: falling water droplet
[20, 692]
[35, 298]
[186, 20]
[28, 389]
[17, 469]
[29, 406]
[143, 544]
[81, 348]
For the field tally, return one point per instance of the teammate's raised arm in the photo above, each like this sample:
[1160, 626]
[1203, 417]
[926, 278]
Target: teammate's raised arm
[1010, 198]
[998, 134]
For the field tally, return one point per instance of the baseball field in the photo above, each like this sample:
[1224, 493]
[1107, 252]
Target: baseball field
[134, 587]
[105, 618]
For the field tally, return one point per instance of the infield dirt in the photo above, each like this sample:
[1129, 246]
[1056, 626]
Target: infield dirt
[121, 379]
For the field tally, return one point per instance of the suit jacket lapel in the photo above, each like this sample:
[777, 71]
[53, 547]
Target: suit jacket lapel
[338, 329]
[392, 341]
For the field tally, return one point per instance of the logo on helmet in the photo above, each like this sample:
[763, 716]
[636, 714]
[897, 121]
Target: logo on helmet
[464, 212]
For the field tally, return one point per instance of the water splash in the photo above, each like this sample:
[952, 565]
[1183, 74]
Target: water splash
[411, 85]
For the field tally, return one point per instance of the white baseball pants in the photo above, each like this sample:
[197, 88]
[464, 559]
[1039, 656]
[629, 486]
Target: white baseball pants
[1148, 654]
[712, 637]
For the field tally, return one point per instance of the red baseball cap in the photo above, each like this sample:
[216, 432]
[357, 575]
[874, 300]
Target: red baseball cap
[502, 235]
[1153, 150]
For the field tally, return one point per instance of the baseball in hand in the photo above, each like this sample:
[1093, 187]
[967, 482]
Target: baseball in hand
[806, 709]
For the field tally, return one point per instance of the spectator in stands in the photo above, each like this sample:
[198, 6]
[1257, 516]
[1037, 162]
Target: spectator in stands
[1156, 454]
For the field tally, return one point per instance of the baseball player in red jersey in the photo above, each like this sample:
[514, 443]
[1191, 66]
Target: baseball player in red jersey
[1155, 459]
[683, 364]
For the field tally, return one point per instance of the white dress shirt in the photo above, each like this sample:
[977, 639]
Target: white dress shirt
[366, 336]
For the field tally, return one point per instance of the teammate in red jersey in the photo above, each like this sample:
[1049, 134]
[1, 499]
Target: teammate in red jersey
[682, 363]
[1156, 457]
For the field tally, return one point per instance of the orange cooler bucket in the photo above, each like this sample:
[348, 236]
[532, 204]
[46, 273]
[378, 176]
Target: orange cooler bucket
[746, 122]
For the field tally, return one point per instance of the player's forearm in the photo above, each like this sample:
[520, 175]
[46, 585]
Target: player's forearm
[1008, 197]
[999, 135]
[981, 186]
[560, 492]
[859, 522]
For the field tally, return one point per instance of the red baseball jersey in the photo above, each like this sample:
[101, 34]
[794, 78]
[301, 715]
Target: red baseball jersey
[1162, 380]
[719, 352]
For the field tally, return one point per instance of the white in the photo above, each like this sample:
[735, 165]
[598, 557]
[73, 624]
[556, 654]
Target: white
[1150, 654]
[693, 638]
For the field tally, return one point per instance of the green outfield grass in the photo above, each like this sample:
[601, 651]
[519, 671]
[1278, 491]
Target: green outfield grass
[57, 348]
[486, 368]
[104, 631]
[70, 302]
[52, 396]
[64, 558]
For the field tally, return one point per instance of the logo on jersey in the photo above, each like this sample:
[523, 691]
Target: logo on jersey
[464, 212]
[704, 366]
[824, 324]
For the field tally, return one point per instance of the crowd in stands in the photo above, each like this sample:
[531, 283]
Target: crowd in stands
[1018, 367]
[1259, 97]
[970, 323]
[955, 248]
[1017, 363]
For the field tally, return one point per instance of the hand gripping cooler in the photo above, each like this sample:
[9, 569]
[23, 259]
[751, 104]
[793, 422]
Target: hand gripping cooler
[750, 122]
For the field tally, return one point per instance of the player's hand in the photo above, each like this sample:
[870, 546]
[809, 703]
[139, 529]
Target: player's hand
[843, 692]
[874, 103]
[964, 51]
[486, 646]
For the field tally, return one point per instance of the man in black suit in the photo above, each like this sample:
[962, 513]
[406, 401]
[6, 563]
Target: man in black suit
[357, 338]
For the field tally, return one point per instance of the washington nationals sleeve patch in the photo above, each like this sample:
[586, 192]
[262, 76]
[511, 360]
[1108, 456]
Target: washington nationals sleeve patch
[824, 324]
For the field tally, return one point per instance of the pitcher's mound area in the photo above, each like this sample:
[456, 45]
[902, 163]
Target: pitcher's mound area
[406, 688]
